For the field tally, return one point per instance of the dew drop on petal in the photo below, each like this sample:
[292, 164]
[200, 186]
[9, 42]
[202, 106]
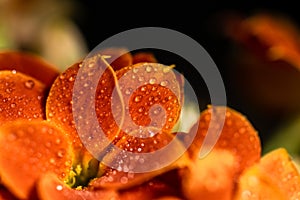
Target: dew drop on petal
[29, 84]
[62, 77]
[138, 98]
[124, 180]
[52, 160]
[59, 187]
[135, 70]
[128, 91]
[141, 109]
[152, 80]
[60, 153]
[141, 78]
[164, 83]
[143, 89]
[148, 69]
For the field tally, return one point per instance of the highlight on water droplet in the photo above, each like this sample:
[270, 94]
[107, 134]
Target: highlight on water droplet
[138, 98]
[148, 69]
[59, 187]
[29, 84]
[164, 83]
[152, 80]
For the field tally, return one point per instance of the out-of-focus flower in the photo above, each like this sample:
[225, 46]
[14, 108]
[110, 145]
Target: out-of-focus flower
[44, 27]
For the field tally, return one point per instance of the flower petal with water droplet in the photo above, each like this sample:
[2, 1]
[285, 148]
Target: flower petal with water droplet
[21, 97]
[237, 136]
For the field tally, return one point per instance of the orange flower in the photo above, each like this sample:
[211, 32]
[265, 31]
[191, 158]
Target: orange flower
[45, 154]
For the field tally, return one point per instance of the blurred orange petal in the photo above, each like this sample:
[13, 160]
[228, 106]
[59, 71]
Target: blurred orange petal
[40, 147]
[238, 136]
[274, 177]
[210, 178]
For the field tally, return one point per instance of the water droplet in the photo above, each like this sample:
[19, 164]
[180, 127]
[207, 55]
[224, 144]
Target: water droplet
[60, 153]
[13, 105]
[8, 90]
[29, 84]
[71, 79]
[154, 88]
[103, 81]
[48, 144]
[59, 187]
[128, 91]
[164, 83]
[135, 70]
[143, 89]
[252, 138]
[138, 98]
[242, 130]
[166, 69]
[141, 109]
[141, 78]
[124, 180]
[152, 80]
[139, 149]
[52, 160]
[157, 111]
[91, 64]
[62, 77]
[148, 69]
[57, 141]
[110, 179]
[229, 122]
[50, 114]
[13, 71]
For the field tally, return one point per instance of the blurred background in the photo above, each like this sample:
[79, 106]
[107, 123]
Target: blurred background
[256, 47]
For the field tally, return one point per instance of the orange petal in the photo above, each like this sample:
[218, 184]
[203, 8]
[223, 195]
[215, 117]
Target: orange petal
[28, 150]
[153, 189]
[59, 104]
[143, 57]
[49, 188]
[237, 135]
[119, 57]
[29, 64]
[210, 178]
[21, 96]
[125, 173]
[274, 177]
[152, 96]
